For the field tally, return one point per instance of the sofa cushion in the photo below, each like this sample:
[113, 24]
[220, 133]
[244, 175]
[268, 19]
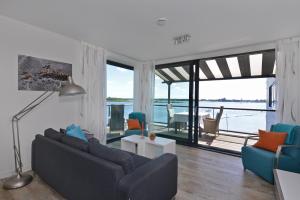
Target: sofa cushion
[140, 116]
[139, 160]
[286, 128]
[133, 124]
[93, 140]
[75, 143]
[270, 140]
[53, 134]
[292, 139]
[117, 156]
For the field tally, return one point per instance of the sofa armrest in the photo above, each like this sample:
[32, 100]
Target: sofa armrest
[249, 137]
[157, 179]
[279, 150]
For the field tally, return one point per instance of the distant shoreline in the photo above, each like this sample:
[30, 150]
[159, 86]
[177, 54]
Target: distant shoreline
[111, 99]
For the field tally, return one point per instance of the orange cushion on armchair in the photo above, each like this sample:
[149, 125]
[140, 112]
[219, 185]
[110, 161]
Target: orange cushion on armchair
[133, 124]
[270, 140]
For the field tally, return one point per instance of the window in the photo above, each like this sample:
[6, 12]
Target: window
[119, 98]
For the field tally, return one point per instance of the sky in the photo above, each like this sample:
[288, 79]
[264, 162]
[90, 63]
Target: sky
[120, 84]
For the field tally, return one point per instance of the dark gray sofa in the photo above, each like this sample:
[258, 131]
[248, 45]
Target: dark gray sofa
[68, 165]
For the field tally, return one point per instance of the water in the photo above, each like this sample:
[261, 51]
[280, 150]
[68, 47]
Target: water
[235, 120]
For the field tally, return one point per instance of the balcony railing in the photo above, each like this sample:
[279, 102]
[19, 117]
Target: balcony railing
[239, 120]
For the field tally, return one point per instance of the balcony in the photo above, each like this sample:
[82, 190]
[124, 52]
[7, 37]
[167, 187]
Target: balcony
[236, 124]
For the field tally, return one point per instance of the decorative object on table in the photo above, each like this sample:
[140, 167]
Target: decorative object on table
[21, 179]
[41, 74]
[152, 136]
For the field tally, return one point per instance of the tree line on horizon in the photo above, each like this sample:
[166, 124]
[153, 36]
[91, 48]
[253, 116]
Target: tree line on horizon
[117, 99]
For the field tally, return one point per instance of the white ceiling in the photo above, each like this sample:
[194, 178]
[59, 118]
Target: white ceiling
[128, 26]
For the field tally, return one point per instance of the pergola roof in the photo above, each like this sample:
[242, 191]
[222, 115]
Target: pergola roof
[247, 65]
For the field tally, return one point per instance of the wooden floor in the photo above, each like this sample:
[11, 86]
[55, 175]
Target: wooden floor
[202, 175]
[225, 140]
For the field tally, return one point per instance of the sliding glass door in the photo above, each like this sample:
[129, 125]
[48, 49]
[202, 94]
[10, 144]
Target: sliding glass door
[174, 102]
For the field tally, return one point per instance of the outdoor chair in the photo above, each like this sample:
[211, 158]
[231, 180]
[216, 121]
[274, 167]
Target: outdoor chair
[171, 122]
[287, 157]
[211, 125]
[171, 113]
[116, 122]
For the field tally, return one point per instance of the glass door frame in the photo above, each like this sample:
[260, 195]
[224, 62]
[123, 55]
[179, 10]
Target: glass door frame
[194, 131]
[124, 66]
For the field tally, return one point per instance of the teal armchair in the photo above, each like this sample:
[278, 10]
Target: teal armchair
[142, 119]
[287, 157]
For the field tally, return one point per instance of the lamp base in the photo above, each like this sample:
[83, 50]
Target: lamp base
[17, 181]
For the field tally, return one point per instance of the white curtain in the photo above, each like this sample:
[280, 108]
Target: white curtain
[144, 90]
[288, 80]
[93, 104]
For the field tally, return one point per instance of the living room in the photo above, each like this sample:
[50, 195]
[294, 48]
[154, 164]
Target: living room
[55, 57]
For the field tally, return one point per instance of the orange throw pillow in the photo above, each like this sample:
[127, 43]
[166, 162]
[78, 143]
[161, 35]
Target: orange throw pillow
[133, 124]
[270, 140]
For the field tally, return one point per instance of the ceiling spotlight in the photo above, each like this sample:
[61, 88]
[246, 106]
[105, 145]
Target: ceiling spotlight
[181, 39]
[161, 21]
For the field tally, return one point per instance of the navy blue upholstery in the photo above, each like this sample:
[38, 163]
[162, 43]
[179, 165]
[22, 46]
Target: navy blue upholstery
[114, 155]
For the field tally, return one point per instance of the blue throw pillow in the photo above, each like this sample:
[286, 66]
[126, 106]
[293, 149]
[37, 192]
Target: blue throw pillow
[77, 132]
[72, 126]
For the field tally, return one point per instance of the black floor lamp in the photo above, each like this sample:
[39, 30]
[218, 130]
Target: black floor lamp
[20, 180]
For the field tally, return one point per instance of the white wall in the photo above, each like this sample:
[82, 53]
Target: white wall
[18, 38]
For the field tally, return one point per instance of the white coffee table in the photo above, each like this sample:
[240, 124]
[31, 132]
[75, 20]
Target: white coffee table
[133, 143]
[146, 147]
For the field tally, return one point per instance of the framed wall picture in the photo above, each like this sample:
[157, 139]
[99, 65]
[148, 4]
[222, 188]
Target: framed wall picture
[37, 74]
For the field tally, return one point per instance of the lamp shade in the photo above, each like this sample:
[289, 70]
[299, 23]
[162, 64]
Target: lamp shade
[71, 89]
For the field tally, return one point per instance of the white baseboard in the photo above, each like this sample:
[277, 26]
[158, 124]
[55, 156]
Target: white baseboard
[5, 174]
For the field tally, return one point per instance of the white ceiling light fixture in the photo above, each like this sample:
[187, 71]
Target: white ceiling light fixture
[161, 21]
[182, 39]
